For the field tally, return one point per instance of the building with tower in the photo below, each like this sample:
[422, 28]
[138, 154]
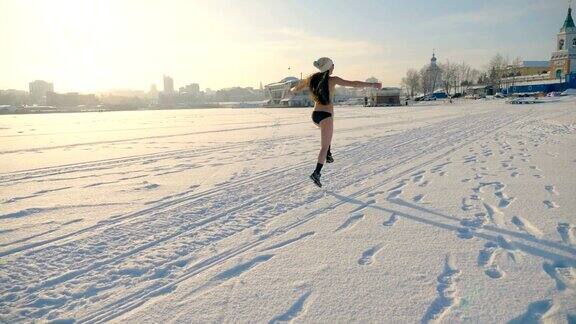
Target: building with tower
[561, 73]
[563, 61]
[168, 85]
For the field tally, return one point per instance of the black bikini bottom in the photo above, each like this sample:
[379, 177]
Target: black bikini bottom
[318, 116]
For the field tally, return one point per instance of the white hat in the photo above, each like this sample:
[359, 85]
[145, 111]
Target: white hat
[323, 64]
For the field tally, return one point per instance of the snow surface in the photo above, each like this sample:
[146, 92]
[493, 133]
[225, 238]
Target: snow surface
[448, 213]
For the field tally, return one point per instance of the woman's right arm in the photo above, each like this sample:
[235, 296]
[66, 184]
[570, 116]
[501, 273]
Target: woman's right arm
[356, 84]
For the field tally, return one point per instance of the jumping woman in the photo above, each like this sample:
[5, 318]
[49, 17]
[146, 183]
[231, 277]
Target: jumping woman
[321, 86]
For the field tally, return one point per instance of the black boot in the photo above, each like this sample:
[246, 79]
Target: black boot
[316, 178]
[329, 158]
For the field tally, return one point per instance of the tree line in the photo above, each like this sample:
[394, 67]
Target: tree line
[455, 78]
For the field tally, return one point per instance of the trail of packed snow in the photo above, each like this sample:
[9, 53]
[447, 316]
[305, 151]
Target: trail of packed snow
[445, 213]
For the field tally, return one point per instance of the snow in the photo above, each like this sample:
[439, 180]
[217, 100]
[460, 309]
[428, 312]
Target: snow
[443, 213]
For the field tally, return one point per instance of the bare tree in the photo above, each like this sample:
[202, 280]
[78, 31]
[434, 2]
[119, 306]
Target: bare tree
[496, 69]
[513, 70]
[412, 82]
[463, 71]
[449, 76]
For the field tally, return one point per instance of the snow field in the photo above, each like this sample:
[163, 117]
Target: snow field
[429, 214]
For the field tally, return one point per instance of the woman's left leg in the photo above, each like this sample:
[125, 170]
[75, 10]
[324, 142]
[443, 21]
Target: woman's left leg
[326, 130]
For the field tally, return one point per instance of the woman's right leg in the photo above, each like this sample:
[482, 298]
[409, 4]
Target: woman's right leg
[329, 158]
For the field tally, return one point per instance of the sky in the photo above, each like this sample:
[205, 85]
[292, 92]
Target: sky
[96, 45]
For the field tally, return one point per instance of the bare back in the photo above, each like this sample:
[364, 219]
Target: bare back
[330, 106]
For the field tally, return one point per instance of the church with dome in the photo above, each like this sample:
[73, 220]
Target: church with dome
[561, 69]
[563, 61]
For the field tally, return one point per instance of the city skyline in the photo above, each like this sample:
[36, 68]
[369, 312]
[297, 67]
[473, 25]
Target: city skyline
[96, 46]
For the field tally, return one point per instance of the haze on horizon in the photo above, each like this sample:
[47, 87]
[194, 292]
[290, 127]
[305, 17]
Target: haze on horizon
[95, 45]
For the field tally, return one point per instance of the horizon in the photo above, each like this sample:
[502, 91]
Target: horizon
[100, 46]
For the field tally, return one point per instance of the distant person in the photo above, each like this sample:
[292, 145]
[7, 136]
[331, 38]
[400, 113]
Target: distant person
[321, 86]
[365, 101]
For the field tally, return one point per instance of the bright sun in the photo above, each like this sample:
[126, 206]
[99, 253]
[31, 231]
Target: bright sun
[81, 36]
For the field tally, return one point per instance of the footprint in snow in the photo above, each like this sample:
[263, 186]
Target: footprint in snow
[567, 232]
[351, 221]
[391, 221]
[418, 198]
[394, 194]
[550, 204]
[367, 257]
[551, 189]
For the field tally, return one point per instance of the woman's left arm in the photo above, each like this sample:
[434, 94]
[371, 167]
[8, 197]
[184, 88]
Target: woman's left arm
[356, 84]
[300, 86]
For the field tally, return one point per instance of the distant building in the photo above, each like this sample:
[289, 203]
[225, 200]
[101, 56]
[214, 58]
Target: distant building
[127, 93]
[38, 90]
[237, 94]
[168, 85]
[12, 97]
[479, 91]
[278, 95]
[122, 102]
[193, 90]
[528, 68]
[386, 97]
[71, 100]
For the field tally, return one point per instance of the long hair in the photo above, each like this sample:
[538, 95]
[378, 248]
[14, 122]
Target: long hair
[319, 88]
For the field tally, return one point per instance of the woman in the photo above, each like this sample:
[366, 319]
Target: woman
[321, 86]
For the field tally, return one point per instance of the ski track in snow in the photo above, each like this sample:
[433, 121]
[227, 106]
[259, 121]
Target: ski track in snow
[289, 241]
[35, 194]
[129, 259]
